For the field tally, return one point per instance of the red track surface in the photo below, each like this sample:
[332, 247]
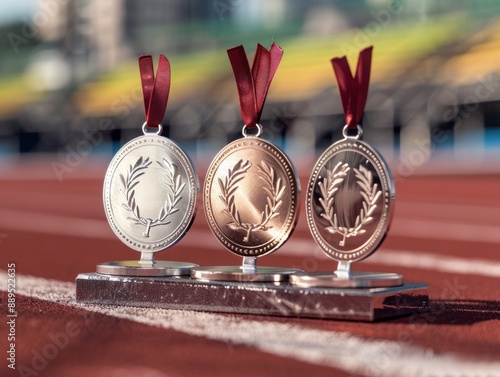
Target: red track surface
[464, 321]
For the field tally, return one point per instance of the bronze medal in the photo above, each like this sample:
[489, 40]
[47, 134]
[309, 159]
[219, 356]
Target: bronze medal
[250, 197]
[251, 189]
[350, 195]
[349, 202]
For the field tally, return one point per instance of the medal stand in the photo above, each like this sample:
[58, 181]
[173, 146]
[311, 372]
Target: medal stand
[248, 289]
[343, 277]
[247, 272]
[263, 298]
[146, 266]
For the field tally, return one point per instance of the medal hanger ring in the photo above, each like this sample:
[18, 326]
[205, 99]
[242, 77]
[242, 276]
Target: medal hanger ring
[146, 132]
[244, 130]
[358, 136]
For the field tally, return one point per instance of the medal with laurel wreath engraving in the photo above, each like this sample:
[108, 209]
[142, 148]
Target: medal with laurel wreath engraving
[251, 189]
[150, 187]
[350, 194]
[349, 201]
[150, 193]
[250, 197]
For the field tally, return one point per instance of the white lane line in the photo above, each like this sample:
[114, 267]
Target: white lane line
[40, 169]
[54, 224]
[419, 229]
[410, 208]
[404, 258]
[433, 262]
[328, 348]
[445, 230]
[39, 201]
[99, 229]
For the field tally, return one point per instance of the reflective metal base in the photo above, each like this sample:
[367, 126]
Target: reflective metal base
[275, 299]
[136, 268]
[242, 274]
[357, 279]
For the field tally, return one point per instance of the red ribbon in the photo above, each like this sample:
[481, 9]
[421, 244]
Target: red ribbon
[253, 84]
[155, 90]
[353, 90]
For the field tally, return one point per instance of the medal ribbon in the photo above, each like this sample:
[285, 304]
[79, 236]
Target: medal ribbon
[155, 90]
[353, 90]
[253, 84]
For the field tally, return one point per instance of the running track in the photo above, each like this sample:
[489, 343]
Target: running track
[446, 232]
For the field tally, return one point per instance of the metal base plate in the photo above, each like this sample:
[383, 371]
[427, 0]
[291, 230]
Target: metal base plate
[136, 268]
[357, 280]
[277, 299]
[239, 273]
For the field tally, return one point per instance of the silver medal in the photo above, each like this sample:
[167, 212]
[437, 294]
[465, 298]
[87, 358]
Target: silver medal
[149, 194]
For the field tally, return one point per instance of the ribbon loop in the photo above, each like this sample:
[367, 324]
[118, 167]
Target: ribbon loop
[353, 90]
[253, 84]
[155, 90]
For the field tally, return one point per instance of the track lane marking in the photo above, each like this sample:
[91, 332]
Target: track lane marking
[80, 227]
[433, 262]
[335, 349]
[468, 211]
[445, 230]
[54, 224]
[99, 229]
[404, 258]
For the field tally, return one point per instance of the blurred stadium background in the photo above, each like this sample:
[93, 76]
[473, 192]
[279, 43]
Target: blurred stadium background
[70, 91]
[70, 97]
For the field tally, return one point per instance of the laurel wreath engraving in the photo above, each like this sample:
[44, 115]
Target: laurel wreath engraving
[171, 179]
[330, 185]
[272, 186]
